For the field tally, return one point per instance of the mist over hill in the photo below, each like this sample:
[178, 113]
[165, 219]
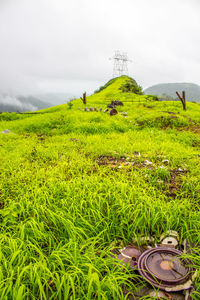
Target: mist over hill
[13, 104]
[21, 103]
[192, 90]
[10, 103]
[56, 98]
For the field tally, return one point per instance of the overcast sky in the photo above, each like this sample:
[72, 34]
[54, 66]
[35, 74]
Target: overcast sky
[65, 45]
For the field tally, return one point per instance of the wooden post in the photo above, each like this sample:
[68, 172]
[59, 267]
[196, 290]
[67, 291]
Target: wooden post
[84, 98]
[183, 100]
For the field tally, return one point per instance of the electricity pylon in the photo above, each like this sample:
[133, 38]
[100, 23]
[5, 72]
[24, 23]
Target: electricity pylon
[120, 64]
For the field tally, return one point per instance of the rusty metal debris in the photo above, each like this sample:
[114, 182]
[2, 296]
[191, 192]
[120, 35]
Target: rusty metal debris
[115, 103]
[165, 162]
[163, 268]
[166, 274]
[113, 112]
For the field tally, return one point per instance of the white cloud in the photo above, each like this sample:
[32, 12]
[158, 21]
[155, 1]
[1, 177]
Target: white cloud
[54, 45]
[10, 101]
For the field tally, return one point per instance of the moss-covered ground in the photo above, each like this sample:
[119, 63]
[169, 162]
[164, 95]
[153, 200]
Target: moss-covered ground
[61, 210]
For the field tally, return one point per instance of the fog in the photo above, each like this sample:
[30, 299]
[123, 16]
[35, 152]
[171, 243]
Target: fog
[59, 46]
[10, 103]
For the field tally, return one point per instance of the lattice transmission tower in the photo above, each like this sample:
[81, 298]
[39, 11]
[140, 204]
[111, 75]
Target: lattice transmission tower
[120, 64]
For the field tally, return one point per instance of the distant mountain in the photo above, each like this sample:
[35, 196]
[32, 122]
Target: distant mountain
[34, 101]
[21, 104]
[192, 90]
[56, 98]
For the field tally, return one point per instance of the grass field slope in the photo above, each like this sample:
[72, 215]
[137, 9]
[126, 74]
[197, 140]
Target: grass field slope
[76, 183]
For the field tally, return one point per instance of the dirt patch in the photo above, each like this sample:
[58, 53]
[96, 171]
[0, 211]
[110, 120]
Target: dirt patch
[1, 205]
[175, 182]
[113, 162]
[26, 136]
[195, 129]
[41, 137]
[120, 162]
[170, 112]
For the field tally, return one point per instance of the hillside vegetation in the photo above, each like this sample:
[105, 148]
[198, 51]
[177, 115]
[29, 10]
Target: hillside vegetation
[73, 186]
[192, 90]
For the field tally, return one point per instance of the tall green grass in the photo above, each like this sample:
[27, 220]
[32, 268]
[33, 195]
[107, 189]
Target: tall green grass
[61, 213]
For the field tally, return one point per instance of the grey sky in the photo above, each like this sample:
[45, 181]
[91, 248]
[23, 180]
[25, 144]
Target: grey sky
[64, 46]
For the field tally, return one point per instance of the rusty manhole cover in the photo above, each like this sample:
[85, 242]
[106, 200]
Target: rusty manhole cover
[163, 267]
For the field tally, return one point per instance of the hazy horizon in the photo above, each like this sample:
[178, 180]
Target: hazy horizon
[57, 46]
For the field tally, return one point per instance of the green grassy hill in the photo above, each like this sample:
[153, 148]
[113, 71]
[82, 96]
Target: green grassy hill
[73, 186]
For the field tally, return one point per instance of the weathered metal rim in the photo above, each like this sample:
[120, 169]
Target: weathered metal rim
[170, 251]
[151, 278]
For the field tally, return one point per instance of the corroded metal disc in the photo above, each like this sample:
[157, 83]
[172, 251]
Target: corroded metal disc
[163, 267]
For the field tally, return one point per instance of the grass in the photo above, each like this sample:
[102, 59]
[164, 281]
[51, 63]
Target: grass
[61, 212]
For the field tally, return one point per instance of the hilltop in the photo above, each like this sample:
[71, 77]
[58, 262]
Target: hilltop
[123, 88]
[77, 184]
[192, 90]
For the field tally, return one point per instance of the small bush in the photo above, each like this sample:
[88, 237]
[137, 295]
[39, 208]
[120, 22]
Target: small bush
[70, 104]
[131, 86]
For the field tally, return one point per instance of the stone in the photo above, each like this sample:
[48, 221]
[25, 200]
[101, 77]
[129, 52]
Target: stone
[136, 153]
[7, 131]
[147, 163]
[157, 294]
[170, 241]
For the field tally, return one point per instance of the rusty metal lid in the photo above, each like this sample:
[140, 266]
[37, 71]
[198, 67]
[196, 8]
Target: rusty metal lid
[130, 255]
[163, 267]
